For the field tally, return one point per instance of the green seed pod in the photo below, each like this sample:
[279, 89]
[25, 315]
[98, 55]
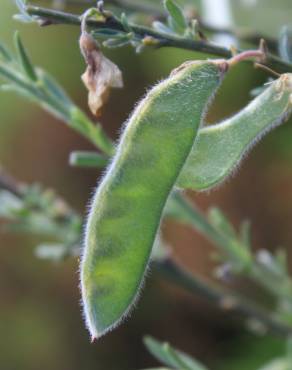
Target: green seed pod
[219, 148]
[127, 207]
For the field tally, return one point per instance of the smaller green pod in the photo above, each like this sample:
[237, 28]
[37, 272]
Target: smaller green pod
[218, 149]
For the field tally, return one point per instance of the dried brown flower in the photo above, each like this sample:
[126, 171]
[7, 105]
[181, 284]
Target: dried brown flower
[100, 76]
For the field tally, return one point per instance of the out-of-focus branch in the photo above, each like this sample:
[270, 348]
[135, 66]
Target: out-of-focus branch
[172, 272]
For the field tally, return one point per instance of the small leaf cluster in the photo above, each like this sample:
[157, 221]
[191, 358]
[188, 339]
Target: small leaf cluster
[40, 212]
[285, 43]
[38, 86]
[23, 16]
[177, 23]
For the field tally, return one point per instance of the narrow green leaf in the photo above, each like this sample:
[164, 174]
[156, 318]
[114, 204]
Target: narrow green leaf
[285, 43]
[281, 257]
[159, 351]
[80, 122]
[24, 60]
[244, 234]
[221, 223]
[88, 159]
[117, 42]
[5, 54]
[21, 4]
[125, 23]
[184, 211]
[170, 356]
[32, 93]
[16, 78]
[23, 92]
[23, 18]
[106, 32]
[176, 16]
[161, 27]
[53, 88]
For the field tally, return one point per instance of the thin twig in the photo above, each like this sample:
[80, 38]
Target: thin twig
[8, 183]
[162, 39]
[171, 271]
[267, 69]
[241, 34]
[158, 13]
[246, 55]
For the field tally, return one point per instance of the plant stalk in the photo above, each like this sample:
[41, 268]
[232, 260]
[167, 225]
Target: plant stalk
[50, 16]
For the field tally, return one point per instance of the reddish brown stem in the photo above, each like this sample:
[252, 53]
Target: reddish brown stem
[248, 54]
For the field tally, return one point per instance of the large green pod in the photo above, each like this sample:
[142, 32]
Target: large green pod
[127, 207]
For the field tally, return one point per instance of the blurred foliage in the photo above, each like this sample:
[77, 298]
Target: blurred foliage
[40, 316]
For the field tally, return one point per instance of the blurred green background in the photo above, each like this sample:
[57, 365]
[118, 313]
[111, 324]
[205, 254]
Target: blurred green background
[40, 315]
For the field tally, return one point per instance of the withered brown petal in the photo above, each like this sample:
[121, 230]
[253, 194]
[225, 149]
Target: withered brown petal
[100, 76]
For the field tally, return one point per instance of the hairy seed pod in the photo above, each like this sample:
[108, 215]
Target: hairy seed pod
[219, 148]
[127, 207]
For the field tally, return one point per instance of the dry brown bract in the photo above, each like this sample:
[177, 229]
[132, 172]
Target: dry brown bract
[100, 76]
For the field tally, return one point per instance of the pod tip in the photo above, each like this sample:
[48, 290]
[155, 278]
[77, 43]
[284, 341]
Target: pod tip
[93, 339]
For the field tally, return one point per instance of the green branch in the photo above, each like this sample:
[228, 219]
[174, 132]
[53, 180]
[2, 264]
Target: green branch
[37, 85]
[160, 39]
[156, 12]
